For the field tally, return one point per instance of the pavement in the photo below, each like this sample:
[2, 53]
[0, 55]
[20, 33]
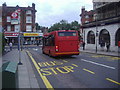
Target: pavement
[26, 76]
[104, 52]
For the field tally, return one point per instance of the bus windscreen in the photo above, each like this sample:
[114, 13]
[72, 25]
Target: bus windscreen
[66, 33]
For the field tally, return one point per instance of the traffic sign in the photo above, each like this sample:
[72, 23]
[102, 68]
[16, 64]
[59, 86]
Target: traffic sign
[18, 11]
[14, 15]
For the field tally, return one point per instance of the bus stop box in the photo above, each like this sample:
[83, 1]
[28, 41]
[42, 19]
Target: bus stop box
[9, 72]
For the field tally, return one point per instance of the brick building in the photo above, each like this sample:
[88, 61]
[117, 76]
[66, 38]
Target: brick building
[86, 17]
[24, 24]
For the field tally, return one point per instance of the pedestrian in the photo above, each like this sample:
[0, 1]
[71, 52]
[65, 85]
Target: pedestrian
[102, 45]
[107, 46]
[83, 44]
[118, 46]
[37, 43]
[10, 44]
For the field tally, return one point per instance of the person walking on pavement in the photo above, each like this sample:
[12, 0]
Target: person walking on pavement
[107, 46]
[10, 44]
[118, 46]
[83, 44]
[102, 45]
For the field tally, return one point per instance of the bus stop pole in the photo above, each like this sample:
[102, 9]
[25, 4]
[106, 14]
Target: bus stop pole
[19, 40]
[19, 50]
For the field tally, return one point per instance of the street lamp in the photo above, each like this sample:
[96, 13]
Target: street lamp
[96, 39]
[19, 37]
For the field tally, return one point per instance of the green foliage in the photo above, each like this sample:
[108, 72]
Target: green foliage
[64, 25]
[38, 27]
[2, 43]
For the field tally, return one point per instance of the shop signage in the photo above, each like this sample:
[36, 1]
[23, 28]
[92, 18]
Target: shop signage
[31, 34]
[10, 34]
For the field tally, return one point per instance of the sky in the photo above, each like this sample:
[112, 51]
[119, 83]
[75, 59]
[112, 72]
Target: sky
[50, 12]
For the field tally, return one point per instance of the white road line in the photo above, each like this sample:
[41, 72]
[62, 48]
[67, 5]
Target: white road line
[35, 49]
[98, 64]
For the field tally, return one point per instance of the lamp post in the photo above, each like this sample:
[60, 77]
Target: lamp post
[19, 37]
[96, 36]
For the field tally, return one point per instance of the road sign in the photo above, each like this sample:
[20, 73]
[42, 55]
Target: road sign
[18, 11]
[14, 15]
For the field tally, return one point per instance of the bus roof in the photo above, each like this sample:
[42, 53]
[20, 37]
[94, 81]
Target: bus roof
[47, 34]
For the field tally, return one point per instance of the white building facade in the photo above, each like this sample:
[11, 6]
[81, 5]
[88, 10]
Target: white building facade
[104, 28]
[112, 34]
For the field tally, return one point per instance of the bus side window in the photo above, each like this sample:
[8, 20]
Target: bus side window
[53, 40]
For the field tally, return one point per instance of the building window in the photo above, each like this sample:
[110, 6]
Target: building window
[86, 21]
[28, 19]
[104, 36]
[87, 16]
[91, 37]
[28, 12]
[28, 28]
[8, 28]
[8, 19]
[117, 37]
[17, 28]
[0, 19]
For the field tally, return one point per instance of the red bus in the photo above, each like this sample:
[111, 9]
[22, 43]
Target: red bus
[62, 42]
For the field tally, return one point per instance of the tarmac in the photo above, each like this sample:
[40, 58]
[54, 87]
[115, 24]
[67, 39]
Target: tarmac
[26, 76]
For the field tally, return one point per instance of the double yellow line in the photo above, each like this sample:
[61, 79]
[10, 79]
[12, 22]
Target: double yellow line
[45, 80]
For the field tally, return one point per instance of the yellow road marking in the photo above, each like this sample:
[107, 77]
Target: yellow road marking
[75, 65]
[65, 61]
[115, 58]
[112, 81]
[100, 56]
[45, 80]
[110, 57]
[89, 71]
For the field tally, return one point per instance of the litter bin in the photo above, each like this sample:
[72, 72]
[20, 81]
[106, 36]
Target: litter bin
[9, 72]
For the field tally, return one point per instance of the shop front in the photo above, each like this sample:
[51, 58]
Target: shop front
[32, 38]
[11, 37]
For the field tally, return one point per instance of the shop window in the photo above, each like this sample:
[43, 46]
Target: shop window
[104, 36]
[91, 37]
[117, 37]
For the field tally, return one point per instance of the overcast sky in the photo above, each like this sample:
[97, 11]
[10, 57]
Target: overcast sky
[50, 12]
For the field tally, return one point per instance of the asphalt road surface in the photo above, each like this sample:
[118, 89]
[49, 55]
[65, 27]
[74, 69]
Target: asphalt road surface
[83, 71]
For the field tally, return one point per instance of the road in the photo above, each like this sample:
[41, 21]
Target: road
[83, 71]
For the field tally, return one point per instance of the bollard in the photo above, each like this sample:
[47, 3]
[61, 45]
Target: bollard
[9, 72]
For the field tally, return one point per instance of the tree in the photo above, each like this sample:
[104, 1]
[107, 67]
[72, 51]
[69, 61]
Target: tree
[64, 25]
[2, 42]
[37, 26]
[75, 25]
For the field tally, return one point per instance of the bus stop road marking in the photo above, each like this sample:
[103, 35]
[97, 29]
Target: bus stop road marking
[45, 80]
[89, 71]
[75, 65]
